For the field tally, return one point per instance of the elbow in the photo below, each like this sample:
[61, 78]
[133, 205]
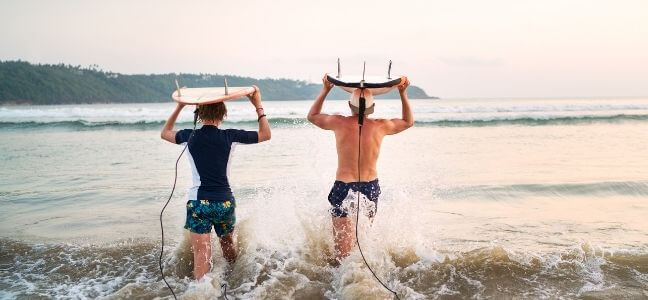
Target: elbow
[410, 123]
[167, 136]
[309, 118]
[266, 136]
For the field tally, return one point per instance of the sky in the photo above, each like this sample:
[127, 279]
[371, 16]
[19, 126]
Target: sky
[452, 49]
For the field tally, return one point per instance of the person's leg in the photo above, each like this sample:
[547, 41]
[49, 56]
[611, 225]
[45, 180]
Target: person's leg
[228, 245]
[224, 224]
[371, 190]
[342, 225]
[342, 236]
[201, 246]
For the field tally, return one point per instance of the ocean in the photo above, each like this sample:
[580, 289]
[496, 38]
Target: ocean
[481, 199]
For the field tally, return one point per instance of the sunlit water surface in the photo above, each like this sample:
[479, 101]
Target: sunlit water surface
[482, 198]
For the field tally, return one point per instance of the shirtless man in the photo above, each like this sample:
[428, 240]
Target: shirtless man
[346, 138]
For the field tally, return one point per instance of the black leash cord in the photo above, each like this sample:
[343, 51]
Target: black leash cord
[358, 215]
[175, 180]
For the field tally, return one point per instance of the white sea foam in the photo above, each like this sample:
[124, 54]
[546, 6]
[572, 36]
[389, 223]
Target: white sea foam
[512, 211]
[424, 110]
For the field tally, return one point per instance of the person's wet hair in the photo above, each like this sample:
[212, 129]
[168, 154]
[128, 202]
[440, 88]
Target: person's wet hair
[212, 112]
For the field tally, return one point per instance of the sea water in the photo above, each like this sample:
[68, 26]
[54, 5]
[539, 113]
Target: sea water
[482, 198]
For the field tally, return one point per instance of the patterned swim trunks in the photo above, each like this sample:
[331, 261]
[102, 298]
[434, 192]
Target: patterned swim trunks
[340, 208]
[203, 214]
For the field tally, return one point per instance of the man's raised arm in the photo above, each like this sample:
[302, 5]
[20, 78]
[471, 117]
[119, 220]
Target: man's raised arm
[315, 114]
[394, 126]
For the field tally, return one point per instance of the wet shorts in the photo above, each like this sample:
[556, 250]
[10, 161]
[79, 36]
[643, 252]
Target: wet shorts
[340, 190]
[203, 214]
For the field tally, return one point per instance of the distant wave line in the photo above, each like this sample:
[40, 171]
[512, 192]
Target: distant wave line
[300, 122]
[517, 191]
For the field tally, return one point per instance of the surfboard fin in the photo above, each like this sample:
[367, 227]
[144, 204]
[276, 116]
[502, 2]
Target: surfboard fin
[226, 91]
[178, 88]
[364, 67]
[338, 75]
[389, 70]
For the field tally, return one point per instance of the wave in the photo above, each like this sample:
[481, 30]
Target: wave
[301, 107]
[84, 124]
[302, 122]
[128, 269]
[535, 120]
[536, 107]
[522, 191]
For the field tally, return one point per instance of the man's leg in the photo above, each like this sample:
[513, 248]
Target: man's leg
[228, 245]
[201, 245]
[342, 236]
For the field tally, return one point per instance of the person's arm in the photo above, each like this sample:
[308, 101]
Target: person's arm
[264, 126]
[315, 114]
[394, 126]
[168, 133]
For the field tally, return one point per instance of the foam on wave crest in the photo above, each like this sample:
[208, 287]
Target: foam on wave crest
[129, 270]
[427, 112]
[285, 252]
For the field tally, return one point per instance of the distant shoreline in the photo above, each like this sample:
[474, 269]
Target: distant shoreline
[12, 104]
[23, 83]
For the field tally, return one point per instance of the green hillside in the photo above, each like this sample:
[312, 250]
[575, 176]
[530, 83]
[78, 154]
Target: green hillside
[25, 83]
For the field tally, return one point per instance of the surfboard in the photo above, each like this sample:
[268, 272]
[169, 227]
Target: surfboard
[210, 95]
[356, 81]
[377, 84]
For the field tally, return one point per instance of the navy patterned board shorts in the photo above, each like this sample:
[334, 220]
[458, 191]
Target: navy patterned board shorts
[202, 215]
[340, 190]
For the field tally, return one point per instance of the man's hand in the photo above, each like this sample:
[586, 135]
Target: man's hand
[326, 84]
[255, 97]
[394, 126]
[315, 114]
[402, 86]
[180, 106]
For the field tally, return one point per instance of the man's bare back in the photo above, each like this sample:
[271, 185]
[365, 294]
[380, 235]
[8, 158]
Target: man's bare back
[346, 140]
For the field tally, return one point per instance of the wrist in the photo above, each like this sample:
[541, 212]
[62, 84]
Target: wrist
[260, 117]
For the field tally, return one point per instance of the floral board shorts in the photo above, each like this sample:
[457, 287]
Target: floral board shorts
[203, 214]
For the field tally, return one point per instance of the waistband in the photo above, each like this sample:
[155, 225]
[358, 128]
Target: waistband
[216, 196]
[375, 181]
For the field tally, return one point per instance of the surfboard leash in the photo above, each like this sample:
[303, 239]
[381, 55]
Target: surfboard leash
[175, 180]
[360, 123]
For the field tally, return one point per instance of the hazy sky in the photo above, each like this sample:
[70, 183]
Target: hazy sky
[494, 48]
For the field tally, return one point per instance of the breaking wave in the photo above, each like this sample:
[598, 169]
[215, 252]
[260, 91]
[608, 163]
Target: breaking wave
[128, 269]
[437, 113]
[302, 122]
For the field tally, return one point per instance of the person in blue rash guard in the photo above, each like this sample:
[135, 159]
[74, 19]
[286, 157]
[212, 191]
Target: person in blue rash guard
[211, 203]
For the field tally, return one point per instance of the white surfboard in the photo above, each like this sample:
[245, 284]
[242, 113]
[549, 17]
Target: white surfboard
[210, 95]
